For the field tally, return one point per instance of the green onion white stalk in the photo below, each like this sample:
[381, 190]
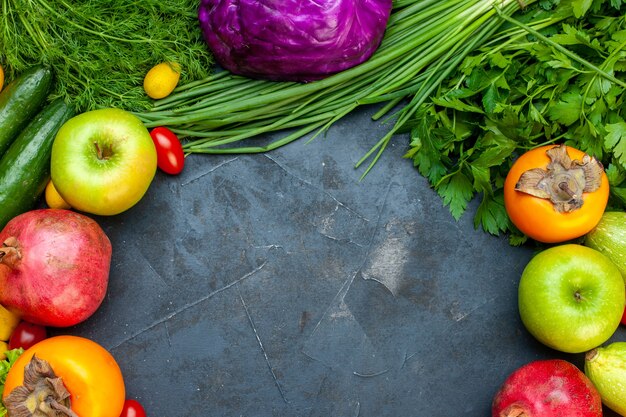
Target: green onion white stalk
[425, 40]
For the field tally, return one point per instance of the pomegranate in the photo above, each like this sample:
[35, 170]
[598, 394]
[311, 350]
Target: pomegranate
[547, 388]
[54, 266]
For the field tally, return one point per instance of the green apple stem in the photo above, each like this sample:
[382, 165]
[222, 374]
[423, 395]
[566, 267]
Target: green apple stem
[9, 252]
[102, 153]
[578, 296]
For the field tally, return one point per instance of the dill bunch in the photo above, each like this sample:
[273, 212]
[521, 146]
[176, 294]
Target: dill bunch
[100, 50]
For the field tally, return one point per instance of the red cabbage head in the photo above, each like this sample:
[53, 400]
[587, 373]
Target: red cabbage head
[292, 40]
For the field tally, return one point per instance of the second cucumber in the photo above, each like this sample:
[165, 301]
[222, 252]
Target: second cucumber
[25, 167]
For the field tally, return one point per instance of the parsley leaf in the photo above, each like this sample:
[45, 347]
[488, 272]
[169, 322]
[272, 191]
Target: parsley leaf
[567, 110]
[491, 215]
[581, 7]
[456, 191]
[616, 140]
[5, 366]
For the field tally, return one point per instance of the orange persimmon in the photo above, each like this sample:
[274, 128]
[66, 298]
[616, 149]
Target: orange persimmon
[557, 206]
[88, 371]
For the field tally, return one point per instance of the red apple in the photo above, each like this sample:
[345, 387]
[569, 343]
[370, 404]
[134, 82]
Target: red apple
[547, 388]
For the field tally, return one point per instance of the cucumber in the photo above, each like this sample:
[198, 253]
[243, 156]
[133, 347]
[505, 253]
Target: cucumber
[20, 101]
[25, 167]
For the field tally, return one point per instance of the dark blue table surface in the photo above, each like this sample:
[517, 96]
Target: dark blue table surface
[280, 284]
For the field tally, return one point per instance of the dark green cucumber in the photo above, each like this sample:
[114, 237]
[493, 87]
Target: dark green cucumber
[20, 101]
[25, 167]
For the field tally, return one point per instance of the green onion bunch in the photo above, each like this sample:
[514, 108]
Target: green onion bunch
[425, 40]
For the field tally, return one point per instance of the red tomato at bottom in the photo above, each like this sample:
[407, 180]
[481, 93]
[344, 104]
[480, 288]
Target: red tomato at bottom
[132, 408]
[170, 155]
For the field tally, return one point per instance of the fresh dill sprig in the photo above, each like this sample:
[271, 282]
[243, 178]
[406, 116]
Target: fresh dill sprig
[100, 50]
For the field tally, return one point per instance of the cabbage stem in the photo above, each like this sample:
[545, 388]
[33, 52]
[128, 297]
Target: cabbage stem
[425, 40]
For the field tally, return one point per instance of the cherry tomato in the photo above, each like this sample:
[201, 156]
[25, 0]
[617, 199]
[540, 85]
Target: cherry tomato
[26, 334]
[170, 155]
[132, 408]
[89, 372]
[536, 217]
[624, 318]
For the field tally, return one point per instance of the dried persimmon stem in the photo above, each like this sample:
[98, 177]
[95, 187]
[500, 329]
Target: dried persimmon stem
[563, 181]
[42, 394]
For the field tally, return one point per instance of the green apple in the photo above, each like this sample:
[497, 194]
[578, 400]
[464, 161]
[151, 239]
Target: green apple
[571, 298]
[103, 161]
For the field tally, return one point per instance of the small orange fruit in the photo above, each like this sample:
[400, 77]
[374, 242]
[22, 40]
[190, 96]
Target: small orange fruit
[54, 199]
[161, 80]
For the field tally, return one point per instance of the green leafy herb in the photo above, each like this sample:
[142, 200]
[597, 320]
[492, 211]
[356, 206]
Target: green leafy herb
[5, 366]
[549, 76]
[101, 50]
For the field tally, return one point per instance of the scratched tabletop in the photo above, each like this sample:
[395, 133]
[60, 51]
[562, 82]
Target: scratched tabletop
[281, 284]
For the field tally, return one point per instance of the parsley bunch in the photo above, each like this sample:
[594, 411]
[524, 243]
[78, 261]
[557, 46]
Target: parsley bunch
[5, 366]
[550, 75]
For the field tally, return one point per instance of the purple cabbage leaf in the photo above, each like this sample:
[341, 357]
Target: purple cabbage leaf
[292, 40]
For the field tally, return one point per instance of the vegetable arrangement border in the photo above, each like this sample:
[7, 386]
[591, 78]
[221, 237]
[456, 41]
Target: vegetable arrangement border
[516, 101]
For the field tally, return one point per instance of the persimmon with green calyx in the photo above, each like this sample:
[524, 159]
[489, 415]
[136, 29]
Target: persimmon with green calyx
[555, 193]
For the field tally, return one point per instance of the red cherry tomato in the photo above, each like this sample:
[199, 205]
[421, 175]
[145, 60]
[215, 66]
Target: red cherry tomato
[624, 317]
[132, 408]
[26, 334]
[170, 155]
